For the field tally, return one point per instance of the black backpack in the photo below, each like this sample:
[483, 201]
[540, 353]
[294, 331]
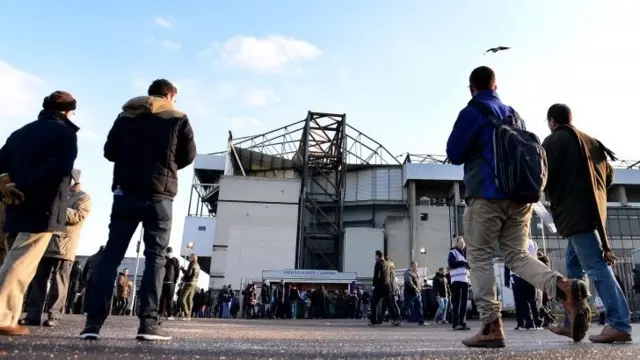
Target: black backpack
[520, 160]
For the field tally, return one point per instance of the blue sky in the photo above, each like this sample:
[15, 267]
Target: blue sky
[398, 69]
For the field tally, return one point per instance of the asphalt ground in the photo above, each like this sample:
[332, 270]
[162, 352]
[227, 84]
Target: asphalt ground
[297, 339]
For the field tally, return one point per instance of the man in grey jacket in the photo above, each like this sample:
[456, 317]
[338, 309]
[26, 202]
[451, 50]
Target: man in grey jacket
[412, 290]
[58, 261]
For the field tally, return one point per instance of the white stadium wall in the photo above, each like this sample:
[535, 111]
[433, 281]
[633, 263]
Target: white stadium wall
[433, 234]
[200, 231]
[360, 245]
[256, 228]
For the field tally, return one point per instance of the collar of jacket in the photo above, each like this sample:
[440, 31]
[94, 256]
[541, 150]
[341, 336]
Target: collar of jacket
[486, 95]
[48, 115]
[564, 127]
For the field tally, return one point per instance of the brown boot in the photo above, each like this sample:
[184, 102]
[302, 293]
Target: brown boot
[610, 335]
[560, 330]
[574, 295]
[15, 330]
[490, 336]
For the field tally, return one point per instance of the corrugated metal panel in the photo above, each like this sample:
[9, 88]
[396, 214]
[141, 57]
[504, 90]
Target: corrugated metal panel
[381, 190]
[365, 185]
[351, 186]
[359, 250]
[396, 185]
[319, 185]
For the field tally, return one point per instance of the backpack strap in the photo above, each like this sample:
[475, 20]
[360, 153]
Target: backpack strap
[485, 110]
[488, 112]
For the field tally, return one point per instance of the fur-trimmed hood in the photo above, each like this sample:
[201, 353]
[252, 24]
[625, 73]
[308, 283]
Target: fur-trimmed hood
[148, 105]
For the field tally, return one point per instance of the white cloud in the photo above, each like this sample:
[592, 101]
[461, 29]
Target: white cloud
[273, 53]
[21, 92]
[163, 22]
[245, 123]
[170, 45]
[256, 97]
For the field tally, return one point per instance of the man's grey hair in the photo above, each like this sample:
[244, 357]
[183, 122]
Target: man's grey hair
[413, 263]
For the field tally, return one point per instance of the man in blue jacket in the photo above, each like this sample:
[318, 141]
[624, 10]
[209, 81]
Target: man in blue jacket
[38, 159]
[491, 217]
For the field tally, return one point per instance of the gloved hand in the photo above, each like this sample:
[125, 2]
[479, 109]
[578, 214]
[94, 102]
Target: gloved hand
[10, 195]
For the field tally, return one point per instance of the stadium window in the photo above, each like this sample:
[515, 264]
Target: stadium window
[625, 225]
[634, 223]
[613, 225]
[202, 228]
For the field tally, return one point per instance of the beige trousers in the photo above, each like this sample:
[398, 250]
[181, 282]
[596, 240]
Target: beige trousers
[17, 272]
[487, 222]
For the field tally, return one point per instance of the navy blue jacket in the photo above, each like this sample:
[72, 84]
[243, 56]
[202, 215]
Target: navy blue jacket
[453, 262]
[39, 158]
[471, 144]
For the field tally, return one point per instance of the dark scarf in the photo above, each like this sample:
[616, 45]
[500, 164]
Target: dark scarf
[607, 253]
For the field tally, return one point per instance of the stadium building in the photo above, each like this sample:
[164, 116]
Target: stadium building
[321, 196]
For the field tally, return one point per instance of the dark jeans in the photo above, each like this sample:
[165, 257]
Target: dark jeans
[459, 298]
[127, 212]
[414, 305]
[166, 299]
[60, 271]
[121, 306]
[388, 302]
[527, 313]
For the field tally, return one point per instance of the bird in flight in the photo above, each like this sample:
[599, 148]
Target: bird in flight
[496, 49]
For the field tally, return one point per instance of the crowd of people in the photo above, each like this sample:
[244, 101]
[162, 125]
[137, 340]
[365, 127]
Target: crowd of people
[150, 141]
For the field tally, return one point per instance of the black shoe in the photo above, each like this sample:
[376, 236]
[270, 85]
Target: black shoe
[51, 323]
[91, 332]
[464, 327]
[153, 333]
[29, 322]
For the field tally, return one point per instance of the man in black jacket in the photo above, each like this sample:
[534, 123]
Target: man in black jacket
[36, 159]
[171, 276]
[265, 299]
[441, 287]
[148, 143]
[382, 288]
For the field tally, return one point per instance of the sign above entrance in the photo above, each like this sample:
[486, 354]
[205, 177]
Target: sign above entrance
[294, 274]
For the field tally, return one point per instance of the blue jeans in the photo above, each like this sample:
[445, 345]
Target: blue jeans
[414, 305]
[294, 309]
[584, 252]
[443, 303]
[126, 213]
[226, 310]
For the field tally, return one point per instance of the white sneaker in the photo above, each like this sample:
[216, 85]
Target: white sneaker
[171, 318]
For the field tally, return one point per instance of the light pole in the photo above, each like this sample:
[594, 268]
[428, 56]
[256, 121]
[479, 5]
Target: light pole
[135, 276]
[540, 226]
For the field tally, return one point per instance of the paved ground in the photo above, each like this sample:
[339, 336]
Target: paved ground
[302, 339]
